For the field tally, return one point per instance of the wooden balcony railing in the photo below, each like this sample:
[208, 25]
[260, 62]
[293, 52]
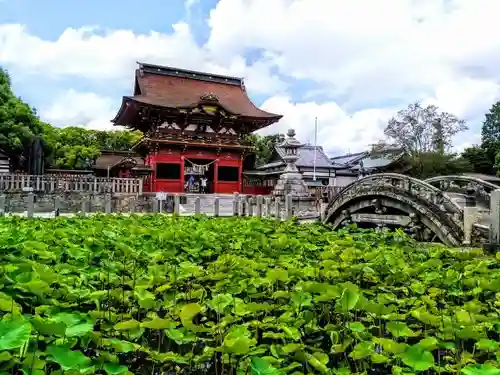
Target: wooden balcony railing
[56, 183]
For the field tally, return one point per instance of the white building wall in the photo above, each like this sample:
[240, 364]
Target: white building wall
[342, 181]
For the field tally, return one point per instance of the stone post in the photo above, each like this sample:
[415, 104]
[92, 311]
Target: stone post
[471, 216]
[267, 208]
[277, 208]
[288, 207]
[2, 205]
[177, 204]
[236, 204]
[243, 205]
[494, 235]
[216, 207]
[57, 205]
[131, 205]
[85, 206]
[107, 203]
[31, 204]
[249, 202]
[197, 205]
[258, 208]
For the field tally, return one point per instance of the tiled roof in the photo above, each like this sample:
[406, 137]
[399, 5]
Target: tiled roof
[348, 159]
[306, 158]
[110, 160]
[272, 164]
[177, 88]
[378, 160]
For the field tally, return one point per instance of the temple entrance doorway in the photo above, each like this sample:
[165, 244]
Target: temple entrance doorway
[194, 172]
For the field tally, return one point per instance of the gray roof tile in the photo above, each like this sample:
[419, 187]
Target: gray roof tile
[378, 161]
[349, 158]
[306, 158]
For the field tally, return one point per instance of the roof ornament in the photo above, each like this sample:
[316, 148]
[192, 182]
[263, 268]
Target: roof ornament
[210, 97]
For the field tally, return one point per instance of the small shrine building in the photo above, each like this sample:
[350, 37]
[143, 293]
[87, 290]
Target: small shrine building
[193, 125]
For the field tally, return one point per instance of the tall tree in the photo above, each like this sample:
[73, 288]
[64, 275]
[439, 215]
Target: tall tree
[478, 158]
[418, 129]
[18, 121]
[76, 148]
[431, 164]
[69, 147]
[438, 137]
[263, 146]
[425, 134]
[490, 132]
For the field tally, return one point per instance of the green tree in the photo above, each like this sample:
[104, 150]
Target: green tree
[118, 140]
[438, 137]
[431, 164]
[70, 147]
[418, 129]
[263, 146]
[77, 148]
[490, 132]
[18, 121]
[74, 148]
[425, 135]
[478, 158]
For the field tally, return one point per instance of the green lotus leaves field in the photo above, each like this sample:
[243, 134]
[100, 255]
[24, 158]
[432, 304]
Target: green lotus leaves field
[157, 295]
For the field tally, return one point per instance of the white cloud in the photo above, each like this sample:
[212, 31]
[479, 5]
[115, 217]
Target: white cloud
[395, 51]
[81, 108]
[371, 57]
[337, 130]
[90, 53]
[465, 97]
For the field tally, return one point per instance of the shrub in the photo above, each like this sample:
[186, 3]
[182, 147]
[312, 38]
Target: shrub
[157, 294]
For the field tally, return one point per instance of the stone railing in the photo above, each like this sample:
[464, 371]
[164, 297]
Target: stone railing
[56, 184]
[68, 204]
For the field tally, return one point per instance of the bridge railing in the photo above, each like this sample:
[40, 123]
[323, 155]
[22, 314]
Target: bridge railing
[10, 183]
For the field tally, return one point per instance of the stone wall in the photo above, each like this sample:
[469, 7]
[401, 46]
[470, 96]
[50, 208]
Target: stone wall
[66, 202]
[72, 202]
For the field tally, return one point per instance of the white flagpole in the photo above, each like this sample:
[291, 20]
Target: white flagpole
[315, 146]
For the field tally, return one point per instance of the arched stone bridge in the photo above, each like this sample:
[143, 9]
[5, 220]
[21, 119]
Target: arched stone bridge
[430, 210]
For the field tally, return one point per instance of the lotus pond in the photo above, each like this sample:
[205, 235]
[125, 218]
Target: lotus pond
[165, 295]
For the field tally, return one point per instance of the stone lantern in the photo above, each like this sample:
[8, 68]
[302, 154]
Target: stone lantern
[291, 181]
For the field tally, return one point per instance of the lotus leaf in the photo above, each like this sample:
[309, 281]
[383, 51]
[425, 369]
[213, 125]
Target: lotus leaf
[418, 358]
[261, 367]
[14, 333]
[145, 294]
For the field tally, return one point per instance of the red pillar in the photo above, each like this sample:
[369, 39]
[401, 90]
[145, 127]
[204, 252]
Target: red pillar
[182, 174]
[216, 176]
[240, 175]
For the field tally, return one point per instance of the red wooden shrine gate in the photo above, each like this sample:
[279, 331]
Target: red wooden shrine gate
[192, 122]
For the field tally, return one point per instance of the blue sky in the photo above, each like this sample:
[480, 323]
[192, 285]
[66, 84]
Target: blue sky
[48, 20]
[352, 64]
